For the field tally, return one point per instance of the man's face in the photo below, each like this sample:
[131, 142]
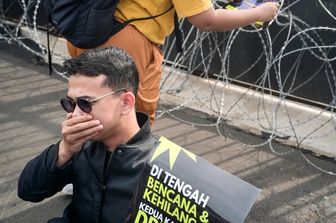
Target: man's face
[107, 109]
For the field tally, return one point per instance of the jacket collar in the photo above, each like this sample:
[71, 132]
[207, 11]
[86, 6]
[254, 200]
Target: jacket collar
[143, 134]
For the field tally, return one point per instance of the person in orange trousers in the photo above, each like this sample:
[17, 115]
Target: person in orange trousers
[141, 39]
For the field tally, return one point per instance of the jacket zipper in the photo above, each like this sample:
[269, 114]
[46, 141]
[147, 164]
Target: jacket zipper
[104, 186]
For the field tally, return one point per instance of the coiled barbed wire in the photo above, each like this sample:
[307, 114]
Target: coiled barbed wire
[202, 49]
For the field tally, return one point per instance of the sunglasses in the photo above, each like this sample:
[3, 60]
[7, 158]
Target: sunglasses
[84, 104]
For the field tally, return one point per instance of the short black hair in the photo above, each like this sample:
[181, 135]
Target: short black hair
[113, 62]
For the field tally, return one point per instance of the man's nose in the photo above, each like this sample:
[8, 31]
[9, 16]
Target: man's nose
[77, 112]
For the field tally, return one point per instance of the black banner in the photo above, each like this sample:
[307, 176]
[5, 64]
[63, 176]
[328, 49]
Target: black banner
[178, 186]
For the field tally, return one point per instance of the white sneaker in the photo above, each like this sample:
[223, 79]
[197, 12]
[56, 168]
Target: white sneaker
[68, 189]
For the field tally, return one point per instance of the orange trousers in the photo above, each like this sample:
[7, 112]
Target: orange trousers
[148, 60]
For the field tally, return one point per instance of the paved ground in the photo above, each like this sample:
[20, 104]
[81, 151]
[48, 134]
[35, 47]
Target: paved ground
[30, 117]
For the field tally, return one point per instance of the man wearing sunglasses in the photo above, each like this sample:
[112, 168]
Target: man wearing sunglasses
[104, 144]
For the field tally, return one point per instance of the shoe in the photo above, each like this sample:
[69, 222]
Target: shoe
[68, 189]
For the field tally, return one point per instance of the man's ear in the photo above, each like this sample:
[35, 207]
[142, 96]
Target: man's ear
[128, 102]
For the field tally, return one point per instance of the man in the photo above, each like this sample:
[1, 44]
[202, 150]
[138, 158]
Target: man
[141, 39]
[104, 144]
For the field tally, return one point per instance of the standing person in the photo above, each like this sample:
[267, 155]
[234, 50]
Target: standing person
[105, 142]
[141, 39]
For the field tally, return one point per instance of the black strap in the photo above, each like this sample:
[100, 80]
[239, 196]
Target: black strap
[149, 17]
[49, 53]
[178, 34]
[177, 31]
[120, 26]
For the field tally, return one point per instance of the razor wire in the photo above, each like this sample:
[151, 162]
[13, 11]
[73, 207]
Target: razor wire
[218, 94]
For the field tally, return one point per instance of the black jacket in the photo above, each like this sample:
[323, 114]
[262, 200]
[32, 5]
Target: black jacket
[99, 196]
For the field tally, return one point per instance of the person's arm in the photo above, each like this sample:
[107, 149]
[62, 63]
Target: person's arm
[225, 20]
[41, 178]
[50, 171]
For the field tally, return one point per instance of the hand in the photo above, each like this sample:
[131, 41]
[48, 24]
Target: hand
[267, 11]
[75, 132]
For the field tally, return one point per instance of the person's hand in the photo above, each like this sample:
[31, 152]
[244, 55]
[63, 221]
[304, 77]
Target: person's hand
[267, 11]
[76, 130]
